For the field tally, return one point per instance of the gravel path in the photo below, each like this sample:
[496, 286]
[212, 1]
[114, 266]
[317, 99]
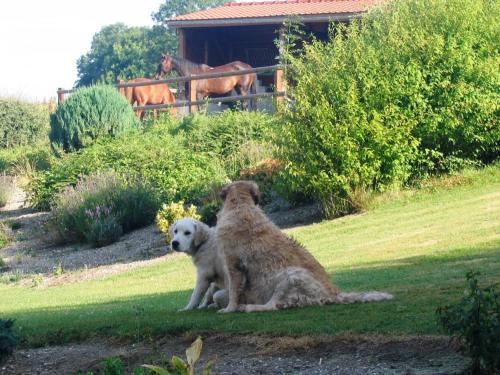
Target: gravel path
[240, 354]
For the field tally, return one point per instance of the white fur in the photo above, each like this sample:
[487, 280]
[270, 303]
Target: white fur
[362, 297]
[196, 239]
[183, 231]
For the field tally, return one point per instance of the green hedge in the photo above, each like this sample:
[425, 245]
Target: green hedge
[411, 89]
[89, 114]
[22, 122]
[155, 156]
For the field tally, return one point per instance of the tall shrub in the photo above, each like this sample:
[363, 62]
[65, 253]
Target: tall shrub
[22, 123]
[397, 95]
[238, 138]
[89, 114]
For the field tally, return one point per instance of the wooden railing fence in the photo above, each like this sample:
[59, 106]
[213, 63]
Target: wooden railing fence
[192, 103]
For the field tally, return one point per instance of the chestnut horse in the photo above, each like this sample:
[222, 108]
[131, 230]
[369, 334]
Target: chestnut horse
[146, 95]
[243, 84]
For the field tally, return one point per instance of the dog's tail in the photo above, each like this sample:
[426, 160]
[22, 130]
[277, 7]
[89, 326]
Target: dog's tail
[345, 298]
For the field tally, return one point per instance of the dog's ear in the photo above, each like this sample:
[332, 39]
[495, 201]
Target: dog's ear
[255, 192]
[200, 234]
[223, 192]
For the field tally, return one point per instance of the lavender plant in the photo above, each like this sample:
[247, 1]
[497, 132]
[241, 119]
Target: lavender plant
[101, 207]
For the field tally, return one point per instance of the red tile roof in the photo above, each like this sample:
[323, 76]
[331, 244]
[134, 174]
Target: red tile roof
[277, 8]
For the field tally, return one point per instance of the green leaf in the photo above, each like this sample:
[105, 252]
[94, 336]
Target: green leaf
[179, 364]
[157, 370]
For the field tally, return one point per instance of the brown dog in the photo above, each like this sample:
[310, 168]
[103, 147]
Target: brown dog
[266, 270]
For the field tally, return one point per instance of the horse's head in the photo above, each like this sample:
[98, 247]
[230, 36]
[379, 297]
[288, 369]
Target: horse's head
[164, 67]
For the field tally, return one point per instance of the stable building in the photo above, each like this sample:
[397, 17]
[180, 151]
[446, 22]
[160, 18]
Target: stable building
[247, 31]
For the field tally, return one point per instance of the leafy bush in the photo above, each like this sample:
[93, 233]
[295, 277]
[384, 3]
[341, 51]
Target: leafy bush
[209, 210]
[22, 123]
[265, 173]
[392, 98]
[25, 160]
[113, 366]
[8, 340]
[238, 139]
[155, 156]
[170, 213]
[89, 114]
[475, 322]
[101, 207]
[7, 187]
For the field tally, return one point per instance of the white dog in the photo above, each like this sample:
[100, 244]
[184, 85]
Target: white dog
[198, 240]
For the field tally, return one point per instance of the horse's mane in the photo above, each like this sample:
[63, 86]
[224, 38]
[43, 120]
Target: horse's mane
[186, 65]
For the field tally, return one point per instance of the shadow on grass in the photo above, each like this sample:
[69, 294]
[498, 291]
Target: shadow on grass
[420, 284]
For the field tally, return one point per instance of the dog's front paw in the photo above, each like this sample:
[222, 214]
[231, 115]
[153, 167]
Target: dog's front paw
[228, 309]
[187, 308]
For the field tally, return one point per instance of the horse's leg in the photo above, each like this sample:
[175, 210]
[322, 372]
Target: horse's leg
[243, 91]
[140, 103]
[138, 112]
[252, 84]
[200, 96]
[232, 105]
[247, 86]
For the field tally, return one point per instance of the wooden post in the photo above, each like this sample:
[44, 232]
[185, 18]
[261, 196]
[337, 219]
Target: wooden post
[60, 96]
[181, 36]
[192, 96]
[279, 82]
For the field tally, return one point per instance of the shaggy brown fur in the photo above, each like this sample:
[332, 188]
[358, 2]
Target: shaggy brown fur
[266, 270]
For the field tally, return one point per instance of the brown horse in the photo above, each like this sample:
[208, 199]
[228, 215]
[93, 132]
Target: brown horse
[212, 86]
[147, 95]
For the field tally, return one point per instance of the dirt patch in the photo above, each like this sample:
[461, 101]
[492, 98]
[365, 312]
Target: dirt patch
[32, 252]
[243, 354]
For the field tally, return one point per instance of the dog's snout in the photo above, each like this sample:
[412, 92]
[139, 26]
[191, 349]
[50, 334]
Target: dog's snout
[175, 245]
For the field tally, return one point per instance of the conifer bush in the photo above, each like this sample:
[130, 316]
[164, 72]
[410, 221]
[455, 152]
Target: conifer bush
[89, 114]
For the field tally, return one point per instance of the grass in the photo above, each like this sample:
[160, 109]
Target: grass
[4, 236]
[416, 245]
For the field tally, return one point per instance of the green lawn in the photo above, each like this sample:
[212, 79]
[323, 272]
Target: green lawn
[417, 246]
